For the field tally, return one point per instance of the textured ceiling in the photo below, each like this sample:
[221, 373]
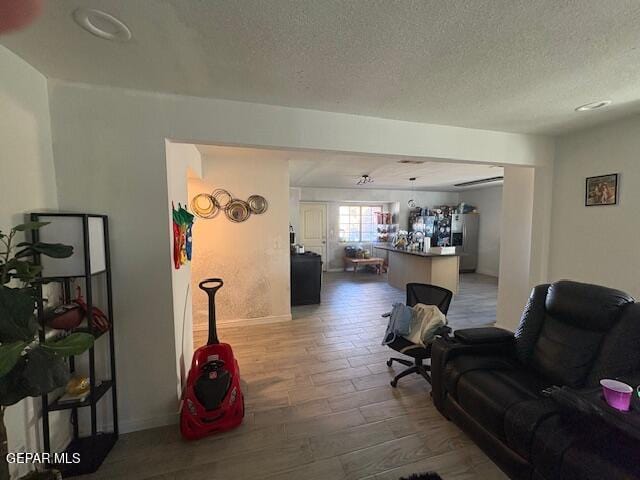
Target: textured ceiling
[510, 65]
[341, 170]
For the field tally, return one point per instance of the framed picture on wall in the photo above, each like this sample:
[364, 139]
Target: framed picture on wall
[601, 190]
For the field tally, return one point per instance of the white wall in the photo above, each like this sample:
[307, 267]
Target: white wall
[597, 244]
[27, 184]
[540, 224]
[515, 253]
[183, 161]
[294, 209]
[334, 197]
[251, 257]
[114, 140]
[488, 201]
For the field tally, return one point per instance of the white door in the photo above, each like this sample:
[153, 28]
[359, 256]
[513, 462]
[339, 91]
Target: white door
[313, 229]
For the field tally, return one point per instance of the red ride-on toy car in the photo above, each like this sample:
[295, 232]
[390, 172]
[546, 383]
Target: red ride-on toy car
[212, 400]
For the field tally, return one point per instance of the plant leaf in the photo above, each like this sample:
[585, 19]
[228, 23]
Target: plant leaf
[23, 268]
[30, 226]
[9, 356]
[30, 274]
[54, 250]
[73, 344]
[13, 387]
[44, 372]
[17, 322]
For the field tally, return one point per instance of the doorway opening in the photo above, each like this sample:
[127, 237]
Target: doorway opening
[315, 195]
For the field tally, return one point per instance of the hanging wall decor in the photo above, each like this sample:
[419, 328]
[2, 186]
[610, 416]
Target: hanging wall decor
[258, 204]
[238, 210]
[204, 206]
[222, 197]
[208, 205]
[601, 190]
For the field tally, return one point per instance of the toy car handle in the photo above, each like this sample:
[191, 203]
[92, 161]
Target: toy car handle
[211, 285]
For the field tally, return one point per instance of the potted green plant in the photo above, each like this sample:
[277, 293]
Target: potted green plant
[28, 368]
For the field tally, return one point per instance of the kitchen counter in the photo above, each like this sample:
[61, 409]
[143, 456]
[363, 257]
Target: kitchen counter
[441, 269]
[416, 252]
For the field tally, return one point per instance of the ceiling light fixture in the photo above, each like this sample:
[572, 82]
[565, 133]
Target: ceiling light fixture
[102, 24]
[364, 179]
[411, 162]
[587, 107]
[479, 182]
[412, 203]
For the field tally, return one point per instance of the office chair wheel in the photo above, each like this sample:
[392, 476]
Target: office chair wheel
[389, 362]
[394, 383]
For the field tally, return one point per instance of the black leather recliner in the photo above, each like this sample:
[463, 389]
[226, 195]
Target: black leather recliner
[489, 382]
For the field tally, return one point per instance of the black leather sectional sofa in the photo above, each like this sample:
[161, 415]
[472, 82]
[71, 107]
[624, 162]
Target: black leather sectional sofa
[490, 382]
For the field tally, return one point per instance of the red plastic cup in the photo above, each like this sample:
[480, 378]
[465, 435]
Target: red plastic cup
[617, 394]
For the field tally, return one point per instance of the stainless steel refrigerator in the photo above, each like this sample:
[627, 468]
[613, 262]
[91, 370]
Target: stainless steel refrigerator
[464, 236]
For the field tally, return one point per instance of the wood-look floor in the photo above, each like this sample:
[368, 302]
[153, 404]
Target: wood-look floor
[319, 404]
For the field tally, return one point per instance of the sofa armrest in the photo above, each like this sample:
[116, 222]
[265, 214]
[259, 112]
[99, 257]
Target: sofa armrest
[485, 335]
[445, 349]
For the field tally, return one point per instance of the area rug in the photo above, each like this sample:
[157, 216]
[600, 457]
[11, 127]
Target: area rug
[423, 476]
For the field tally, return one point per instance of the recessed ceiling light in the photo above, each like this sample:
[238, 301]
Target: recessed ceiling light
[593, 106]
[102, 24]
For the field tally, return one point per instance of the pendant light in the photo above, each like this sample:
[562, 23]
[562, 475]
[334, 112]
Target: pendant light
[412, 203]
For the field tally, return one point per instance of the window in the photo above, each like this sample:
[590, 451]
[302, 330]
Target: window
[358, 223]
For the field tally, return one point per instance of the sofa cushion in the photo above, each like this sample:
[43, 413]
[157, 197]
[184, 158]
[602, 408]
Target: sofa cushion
[550, 440]
[619, 353]
[487, 395]
[564, 354]
[462, 364]
[522, 421]
[585, 306]
[564, 326]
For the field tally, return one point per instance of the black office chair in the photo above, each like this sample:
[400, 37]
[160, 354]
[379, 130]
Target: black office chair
[427, 295]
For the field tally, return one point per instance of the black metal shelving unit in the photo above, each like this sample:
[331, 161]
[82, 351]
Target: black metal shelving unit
[93, 448]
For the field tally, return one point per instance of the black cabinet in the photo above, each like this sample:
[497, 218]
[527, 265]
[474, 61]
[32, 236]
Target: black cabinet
[306, 278]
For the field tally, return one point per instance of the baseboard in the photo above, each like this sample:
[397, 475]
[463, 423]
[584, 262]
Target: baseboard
[257, 321]
[146, 423]
[246, 321]
[489, 273]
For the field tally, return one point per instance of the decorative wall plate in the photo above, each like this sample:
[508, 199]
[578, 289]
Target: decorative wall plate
[222, 197]
[237, 210]
[258, 204]
[204, 206]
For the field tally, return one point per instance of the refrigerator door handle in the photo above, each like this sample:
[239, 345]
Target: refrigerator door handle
[464, 235]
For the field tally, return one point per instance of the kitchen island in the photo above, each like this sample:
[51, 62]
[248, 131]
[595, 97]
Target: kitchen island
[422, 267]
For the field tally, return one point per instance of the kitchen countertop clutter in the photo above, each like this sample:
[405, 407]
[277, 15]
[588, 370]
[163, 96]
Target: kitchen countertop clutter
[432, 252]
